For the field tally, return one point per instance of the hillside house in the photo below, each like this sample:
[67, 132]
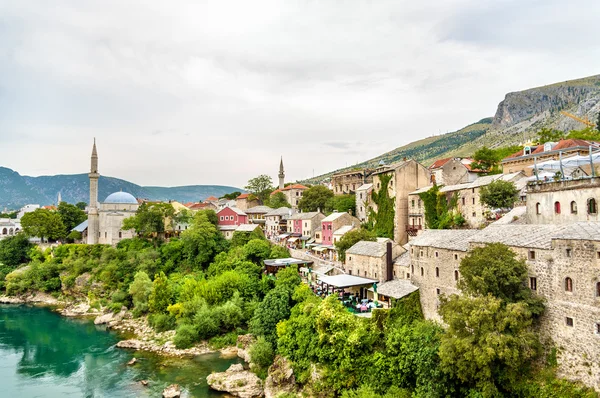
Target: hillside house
[305, 224]
[452, 171]
[246, 201]
[293, 193]
[363, 196]
[229, 218]
[276, 221]
[370, 259]
[348, 181]
[334, 223]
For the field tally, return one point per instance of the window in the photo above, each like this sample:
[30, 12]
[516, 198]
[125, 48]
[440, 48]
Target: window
[305, 225]
[421, 253]
[598, 328]
[365, 273]
[407, 275]
[349, 272]
[592, 208]
[412, 203]
[412, 251]
[350, 258]
[105, 234]
[375, 274]
[412, 269]
[456, 275]
[573, 207]
[557, 207]
[474, 214]
[568, 252]
[422, 271]
[438, 291]
[361, 196]
[533, 283]
[473, 190]
[568, 284]
[538, 208]
[436, 254]
[456, 257]
[597, 289]
[532, 254]
[473, 200]
[437, 272]
[569, 321]
[120, 234]
[463, 201]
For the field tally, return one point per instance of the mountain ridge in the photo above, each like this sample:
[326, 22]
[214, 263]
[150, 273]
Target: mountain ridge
[17, 190]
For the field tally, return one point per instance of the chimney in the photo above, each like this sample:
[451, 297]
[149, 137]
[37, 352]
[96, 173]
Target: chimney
[389, 262]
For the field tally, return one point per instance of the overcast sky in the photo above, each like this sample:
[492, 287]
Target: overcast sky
[180, 93]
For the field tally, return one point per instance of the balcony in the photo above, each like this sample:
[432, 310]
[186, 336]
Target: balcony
[413, 230]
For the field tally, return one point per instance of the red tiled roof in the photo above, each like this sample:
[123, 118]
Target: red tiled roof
[294, 186]
[439, 163]
[188, 204]
[211, 199]
[275, 191]
[198, 206]
[243, 196]
[562, 145]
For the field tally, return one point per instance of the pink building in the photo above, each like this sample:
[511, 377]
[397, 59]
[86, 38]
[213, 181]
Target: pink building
[232, 216]
[334, 222]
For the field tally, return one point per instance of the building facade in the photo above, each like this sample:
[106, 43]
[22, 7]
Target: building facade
[369, 259]
[348, 181]
[363, 196]
[305, 223]
[334, 222]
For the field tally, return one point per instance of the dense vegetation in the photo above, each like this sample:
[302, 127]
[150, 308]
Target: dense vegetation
[382, 214]
[441, 212]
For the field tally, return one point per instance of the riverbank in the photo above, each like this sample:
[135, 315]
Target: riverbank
[135, 333]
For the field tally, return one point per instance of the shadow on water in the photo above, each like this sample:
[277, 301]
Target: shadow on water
[44, 354]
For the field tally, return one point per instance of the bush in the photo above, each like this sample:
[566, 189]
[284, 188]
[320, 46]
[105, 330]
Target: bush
[261, 353]
[162, 322]
[185, 337]
[207, 323]
[225, 340]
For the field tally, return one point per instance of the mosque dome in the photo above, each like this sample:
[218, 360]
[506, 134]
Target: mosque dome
[121, 198]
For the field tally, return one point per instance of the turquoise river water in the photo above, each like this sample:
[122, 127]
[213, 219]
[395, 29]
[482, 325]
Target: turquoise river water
[45, 355]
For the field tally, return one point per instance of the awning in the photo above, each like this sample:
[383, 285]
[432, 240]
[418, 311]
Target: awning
[292, 239]
[311, 241]
[319, 249]
[342, 281]
[305, 238]
[283, 236]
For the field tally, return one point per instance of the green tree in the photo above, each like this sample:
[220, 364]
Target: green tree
[351, 238]
[71, 215]
[202, 241]
[440, 212]
[161, 296]
[499, 194]
[261, 187]
[81, 205]
[588, 133]
[274, 308]
[549, 135]
[149, 219]
[232, 195]
[315, 198]
[140, 290]
[486, 160]
[44, 224]
[14, 250]
[278, 200]
[344, 203]
[261, 353]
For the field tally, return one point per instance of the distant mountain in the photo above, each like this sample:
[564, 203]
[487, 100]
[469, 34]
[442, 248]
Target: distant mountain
[17, 190]
[517, 120]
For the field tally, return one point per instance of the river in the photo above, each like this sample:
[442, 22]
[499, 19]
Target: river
[45, 355]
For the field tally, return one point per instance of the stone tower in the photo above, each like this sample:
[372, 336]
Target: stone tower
[281, 174]
[93, 220]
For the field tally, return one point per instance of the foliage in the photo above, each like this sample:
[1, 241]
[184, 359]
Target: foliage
[149, 219]
[343, 204]
[70, 215]
[161, 322]
[14, 250]
[487, 160]
[261, 353]
[74, 236]
[261, 187]
[381, 221]
[274, 308]
[140, 290]
[232, 195]
[440, 212]
[11, 215]
[185, 337]
[81, 205]
[202, 241]
[549, 135]
[240, 238]
[588, 134]
[351, 238]
[315, 198]
[161, 296]
[278, 200]
[499, 194]
[43, 223]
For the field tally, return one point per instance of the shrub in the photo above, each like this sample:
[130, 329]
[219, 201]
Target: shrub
[207, 323]
[185, 337]
[261, 353]
[162, 322]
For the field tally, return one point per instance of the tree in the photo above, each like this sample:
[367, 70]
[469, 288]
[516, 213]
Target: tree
[278, 200]
[202, 241]
[232, 195]
[486, 160]
[161, 296]
[274, 308]
[440, 213]
[344, 203]
[149, 219]
[14, 250]
[549, 135]
[261, 187]
[499, 194]
[315, 198]
[70, 215]
[382, 220]
[140, 290]
[81, 205]
[43, 223]
[351, 238]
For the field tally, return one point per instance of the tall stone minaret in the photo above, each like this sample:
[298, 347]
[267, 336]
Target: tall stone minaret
[281, 174]
[93, 220]
[58, 199]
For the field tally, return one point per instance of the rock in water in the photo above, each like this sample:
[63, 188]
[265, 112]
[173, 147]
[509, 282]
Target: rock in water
[132, 362]
[280, 379]
[237, 382]
[173, 391]
[243, 345]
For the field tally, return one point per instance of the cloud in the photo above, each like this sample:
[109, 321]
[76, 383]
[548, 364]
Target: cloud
[215, 92]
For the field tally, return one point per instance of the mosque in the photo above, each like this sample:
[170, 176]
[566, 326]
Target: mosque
[106, 219]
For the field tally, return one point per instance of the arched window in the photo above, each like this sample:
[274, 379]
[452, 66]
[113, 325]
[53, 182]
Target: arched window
[592, 207]
[557, 207]
[437, 272]
[4, 231]
[568, 284]
[538, 209]
[573, 207]
[456, 275]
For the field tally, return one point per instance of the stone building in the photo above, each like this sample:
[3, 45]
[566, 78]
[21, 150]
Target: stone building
[257, 215]
[246, 201]
[563, 266]
[348, 181]
[9, 227]
[334, 222]
[407, 176]
[305, 223]
[106, 219]
[528, 156]
[276, 221]
[563, 202]
[363, 196]
[370, 259]
[452, 171]
[293, 193]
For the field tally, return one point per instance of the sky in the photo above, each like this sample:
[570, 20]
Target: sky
[215, 92]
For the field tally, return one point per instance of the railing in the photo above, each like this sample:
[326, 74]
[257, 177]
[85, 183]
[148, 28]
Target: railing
[413, 230]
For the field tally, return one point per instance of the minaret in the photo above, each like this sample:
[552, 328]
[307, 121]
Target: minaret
[59, 199]
[281, 174]
[93, 221]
